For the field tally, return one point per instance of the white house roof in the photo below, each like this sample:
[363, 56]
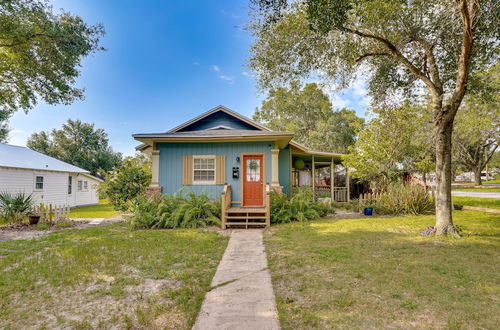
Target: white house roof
[22, 157]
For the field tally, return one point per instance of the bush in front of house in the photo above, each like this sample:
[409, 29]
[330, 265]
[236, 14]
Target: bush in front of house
[404, 198]
[176, 211]
[15, 207]
[300, 207]
[127, 182]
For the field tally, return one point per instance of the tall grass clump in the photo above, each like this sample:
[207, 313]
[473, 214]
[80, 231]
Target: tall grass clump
[405, 198]
[15, 207]
[176, 211]
[301, 207]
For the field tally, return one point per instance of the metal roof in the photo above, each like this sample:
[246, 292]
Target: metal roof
[213, 133]
[22, 157]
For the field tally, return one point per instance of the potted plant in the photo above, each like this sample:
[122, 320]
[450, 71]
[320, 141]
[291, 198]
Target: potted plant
[34, 216]
[368, 210]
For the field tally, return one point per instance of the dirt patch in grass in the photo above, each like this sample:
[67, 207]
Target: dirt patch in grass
[107, 277]
[381, 273]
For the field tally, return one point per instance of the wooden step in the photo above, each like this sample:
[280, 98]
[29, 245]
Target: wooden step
[246, 217]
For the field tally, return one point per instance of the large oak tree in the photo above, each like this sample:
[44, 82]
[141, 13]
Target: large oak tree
[403, 48]
[40, 55]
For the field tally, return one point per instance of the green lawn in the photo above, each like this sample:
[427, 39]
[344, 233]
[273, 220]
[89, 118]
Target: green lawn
[380, 273]
[102, 210]
[492, 181]
[492, 203]
[107, 277]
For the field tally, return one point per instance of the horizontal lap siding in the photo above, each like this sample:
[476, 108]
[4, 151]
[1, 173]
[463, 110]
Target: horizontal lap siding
[171, 164]
[55, 186]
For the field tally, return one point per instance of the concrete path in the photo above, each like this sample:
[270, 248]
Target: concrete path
[473, 193]
[242, 296]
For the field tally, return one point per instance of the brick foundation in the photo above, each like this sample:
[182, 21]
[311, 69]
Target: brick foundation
[150, 191]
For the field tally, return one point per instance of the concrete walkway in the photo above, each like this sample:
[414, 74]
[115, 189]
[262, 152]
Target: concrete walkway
[473, 193]
[242, 296]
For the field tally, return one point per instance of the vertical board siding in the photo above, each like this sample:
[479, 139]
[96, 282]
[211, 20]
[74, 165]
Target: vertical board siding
[171, 169]
[217, 119]
[284, 169]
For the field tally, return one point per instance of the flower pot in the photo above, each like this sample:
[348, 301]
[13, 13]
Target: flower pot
[34, 219]
[368, 211]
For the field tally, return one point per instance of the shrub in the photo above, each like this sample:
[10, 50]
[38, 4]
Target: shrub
[177, 211]
[127, 182]
[15, 207]
[300, 207]
[404, 198]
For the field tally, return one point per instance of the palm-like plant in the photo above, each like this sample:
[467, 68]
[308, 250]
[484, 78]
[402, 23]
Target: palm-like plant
[14, 207]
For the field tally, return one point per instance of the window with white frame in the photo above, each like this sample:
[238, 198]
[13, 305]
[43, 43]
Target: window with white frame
[70, 185]
[204, 169]
[38, 182]
[85, 185]
[80, 183]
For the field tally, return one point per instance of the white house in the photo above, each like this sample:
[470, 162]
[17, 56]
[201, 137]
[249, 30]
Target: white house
[49, 180]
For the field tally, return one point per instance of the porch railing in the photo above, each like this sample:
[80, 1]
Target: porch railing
[225, 203]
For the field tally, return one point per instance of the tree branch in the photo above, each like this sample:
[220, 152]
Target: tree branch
[362, 57]
[35, 35]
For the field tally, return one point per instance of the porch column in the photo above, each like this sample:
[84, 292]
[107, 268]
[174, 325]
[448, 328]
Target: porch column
[332, 180]
[275, 181]
[348, 184]
[154, 186]
[313, 174]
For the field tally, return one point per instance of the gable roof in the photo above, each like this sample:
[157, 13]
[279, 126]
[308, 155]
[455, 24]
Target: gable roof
[22, 157]
[219, 108]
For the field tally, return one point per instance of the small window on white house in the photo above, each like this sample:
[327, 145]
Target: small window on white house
[70, 185]
[80, 185]
[85, 185]
[39, 182]
[204, 169]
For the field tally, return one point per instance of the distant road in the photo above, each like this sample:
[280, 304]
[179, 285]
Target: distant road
[481, 194]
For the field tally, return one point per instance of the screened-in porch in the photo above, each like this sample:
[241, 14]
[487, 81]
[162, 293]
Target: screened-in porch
[321, 171]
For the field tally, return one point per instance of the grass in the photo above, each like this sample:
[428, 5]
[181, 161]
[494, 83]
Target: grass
[107, 277]
[491, 203]
[381, 273]
[102, 210]
[493, 181]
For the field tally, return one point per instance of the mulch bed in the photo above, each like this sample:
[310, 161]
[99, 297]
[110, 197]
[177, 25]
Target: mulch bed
[27, 227]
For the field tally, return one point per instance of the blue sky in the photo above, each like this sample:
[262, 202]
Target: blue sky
[166, 62]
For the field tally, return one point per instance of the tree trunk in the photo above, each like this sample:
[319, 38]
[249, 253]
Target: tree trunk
[477, 176]
[424, 178]
[444, 221]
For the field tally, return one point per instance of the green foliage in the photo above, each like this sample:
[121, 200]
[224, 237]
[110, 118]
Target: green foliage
[125, 183]
[4, 128]
[398, 139]
[176, 211]
[40, 54]
[403, 198]
[77, 143]
[307, 111]
[301, 207]
[15, 207]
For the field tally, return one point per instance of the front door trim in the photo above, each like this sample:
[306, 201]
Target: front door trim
[263, 173]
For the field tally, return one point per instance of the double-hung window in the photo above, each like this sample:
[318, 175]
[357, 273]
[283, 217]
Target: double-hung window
[80, 185]
[38, 182]
[204, 169]
[70, 185]
[85, 185]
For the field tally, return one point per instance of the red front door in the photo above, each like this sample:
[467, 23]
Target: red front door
[253, 180]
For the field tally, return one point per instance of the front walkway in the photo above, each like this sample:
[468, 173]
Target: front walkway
[242, 296]
[473, 193]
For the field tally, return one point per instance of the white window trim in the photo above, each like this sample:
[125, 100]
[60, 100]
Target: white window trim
[70, 185]
[85, 185]
[34, 182]
[211, 182]
[79, 185]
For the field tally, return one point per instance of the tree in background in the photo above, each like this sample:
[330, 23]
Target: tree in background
[4, 129]
[477, 128]
[40, 55]
[308, 112]
[401, 47]
[127, 182]
[397, 140]
[79, 144]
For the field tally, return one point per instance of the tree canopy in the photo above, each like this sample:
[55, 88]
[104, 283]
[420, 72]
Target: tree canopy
[404, 49]
[308, 112]
[40, 54]
[79, 144]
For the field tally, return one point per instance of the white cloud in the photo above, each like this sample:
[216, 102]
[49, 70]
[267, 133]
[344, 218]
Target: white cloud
[226, 13]
[17, 131]
[215, 68]
[246, 74]
[229, 79]
[196, 63]
[338, 101]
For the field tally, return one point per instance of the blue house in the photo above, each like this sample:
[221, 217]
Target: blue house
[222, 153]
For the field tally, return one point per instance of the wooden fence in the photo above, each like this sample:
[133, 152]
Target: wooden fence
[49, 212]
[368, 197]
